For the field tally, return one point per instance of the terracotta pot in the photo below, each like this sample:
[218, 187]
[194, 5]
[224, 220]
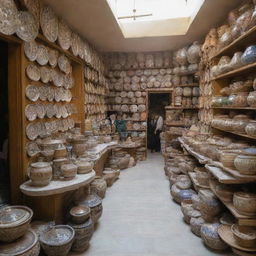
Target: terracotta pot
[68, 171]
[57, 163]
[40, 173]
[60, 153]
[80, 214]
[99, 186]
[245, 203]
[251, 128]
[246, 164]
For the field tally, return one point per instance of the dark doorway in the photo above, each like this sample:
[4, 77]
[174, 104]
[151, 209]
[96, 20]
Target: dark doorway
[156, 105]
[4, 127]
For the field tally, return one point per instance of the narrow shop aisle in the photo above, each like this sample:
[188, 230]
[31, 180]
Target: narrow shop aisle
[140, 219]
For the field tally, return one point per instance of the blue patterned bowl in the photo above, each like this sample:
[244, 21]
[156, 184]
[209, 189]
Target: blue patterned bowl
[249, 55]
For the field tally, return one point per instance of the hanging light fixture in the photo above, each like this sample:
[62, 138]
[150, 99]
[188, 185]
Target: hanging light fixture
[135, 15]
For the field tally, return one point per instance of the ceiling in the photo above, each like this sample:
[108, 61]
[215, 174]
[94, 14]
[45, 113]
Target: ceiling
[94, 20]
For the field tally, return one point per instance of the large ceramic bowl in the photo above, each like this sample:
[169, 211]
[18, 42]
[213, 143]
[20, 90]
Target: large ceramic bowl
[27, 245]
[245, 203]
[58, 240]
[244, 235]
[14, 222]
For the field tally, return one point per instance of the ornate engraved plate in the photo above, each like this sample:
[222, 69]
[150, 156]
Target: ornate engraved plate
[64, 64]
[8, 17]
[42, 55]
[30, 49]
[32, 92]
[45, 74]
[30, 112]
[75, 44]
[53, 57]
[57, 78]
[28, 27]
[49, 23]
[31, 131]
[33, 72]
[32, 149]
[40, 110]
[64, 35]
[34, 7]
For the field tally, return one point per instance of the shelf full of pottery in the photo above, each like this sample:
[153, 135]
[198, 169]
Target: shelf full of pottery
[70, 157]
[48, 93]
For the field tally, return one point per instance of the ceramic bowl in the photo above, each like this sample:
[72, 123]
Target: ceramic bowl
[80, 214]
[14, 222]
[244, 235]
[245, 203]
[58, 240]
[27, 245]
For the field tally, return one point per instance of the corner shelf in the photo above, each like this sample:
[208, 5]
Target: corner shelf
[235, 108]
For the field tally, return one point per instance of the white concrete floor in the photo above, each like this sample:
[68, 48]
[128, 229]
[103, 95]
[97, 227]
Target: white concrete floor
[140, 219]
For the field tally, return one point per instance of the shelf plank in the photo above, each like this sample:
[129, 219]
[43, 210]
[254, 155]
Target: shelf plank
[188, 85]
[242, 219]
[238, 134]
[196, 184]
[239, 43]
[180, 108]
[236, 72]
[235, 108]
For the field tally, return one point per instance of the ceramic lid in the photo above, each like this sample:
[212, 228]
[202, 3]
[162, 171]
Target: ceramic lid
[92, 201]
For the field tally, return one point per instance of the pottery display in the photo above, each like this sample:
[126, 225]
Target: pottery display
[40, 173]
[244, 235]
[58, 240]
[14, 222]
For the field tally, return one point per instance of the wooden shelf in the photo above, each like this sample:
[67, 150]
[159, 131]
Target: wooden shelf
[238, 134]
[237, 72]
[175, 124]
[224, 175]
[188, 85]
[239, 43]
[242, 219]
[159, 89]
[181, 108]
[235, 108]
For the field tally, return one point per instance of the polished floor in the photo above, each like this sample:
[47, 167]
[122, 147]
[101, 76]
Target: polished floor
[140, 219]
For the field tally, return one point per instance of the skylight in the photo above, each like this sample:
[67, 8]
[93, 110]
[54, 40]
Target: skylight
[147, 18]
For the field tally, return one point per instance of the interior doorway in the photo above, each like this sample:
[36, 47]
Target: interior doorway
[157, 101]
[4, 126]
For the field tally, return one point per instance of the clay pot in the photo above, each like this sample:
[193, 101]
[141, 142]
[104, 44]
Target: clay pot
[68, 171]
[99, 186]
[57, 163]
[80, 214]
[40, 173]
[84, 167]
[245, 203]
[110, 176]
[196, 224]
[60, 153]
[246, 164]
[83, 235]
[245, 236]
[251, 128]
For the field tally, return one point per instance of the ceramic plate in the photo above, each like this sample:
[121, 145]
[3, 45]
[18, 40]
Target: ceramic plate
[32, 149]
[33, 72]
[81, 48]
[30, 112]
[43, 93]
[64, 35]
[30, 49]
[57, 78]
[51, 93]
[57, 95]
[9, 20]
[53, 57]
[28, 26]
[68, 96]
[42, 55]
[45, 74]
[75, 44]
[68, 81]
[49, 23]
[40, 110]
[64, 64]
[50, 110]
[31, 131]
[32, 92]
[34, 7]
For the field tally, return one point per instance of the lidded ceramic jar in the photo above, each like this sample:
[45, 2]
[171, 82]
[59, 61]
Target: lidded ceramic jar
[57, 163]
[40, 173]
[246, 164]
[251, 128]
[187, 92]
[68, 171]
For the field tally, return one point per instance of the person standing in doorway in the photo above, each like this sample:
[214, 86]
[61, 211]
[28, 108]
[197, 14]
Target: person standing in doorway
[159, 128]
[151, 130]
[121, 127]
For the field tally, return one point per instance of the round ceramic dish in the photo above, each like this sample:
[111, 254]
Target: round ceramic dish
[80, 214]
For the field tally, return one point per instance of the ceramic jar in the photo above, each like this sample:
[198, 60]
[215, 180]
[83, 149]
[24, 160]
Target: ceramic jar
[249, 55]
[99, 186]
[60, 153]
[83, 235]
[245, 203]
[57, 163]
[251, 128]
[196, 91]
[84, 167]
[187, 92]
[79, 145]
[196, 224]
[40, 173]
[251, 99]
[68, 171]
[178, 91]
[181, 56]
[239, 123]
[239, 99]
[95, 204]
[246, 164]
